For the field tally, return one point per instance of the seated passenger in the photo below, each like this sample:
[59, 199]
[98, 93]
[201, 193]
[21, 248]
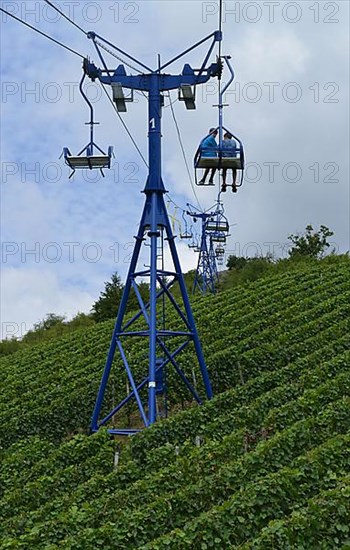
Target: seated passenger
[208, 148]
[229, 150]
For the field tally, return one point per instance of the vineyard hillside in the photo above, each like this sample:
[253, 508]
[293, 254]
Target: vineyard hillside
[264, 465]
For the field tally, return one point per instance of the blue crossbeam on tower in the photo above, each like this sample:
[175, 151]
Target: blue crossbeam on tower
[164, 344]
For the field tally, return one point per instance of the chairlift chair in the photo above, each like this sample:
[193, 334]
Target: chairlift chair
[90, 160]
[220, 157]
[220, 253]
[187, 233]
[218, 224]
[195, 244]
[218, 237]
[223, 155]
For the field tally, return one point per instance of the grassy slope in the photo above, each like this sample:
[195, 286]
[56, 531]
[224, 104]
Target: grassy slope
[273, 460]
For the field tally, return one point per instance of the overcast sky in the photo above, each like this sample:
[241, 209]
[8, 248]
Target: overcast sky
[62, 239]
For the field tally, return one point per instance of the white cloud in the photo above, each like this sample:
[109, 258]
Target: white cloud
[270, 57]
[29, 294]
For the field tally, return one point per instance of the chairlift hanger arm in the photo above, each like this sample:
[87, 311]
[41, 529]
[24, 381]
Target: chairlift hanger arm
[218, 69]
[189, 76]
[217, 37]
[226, 59]
[86, 98]
[101, 58]
[92, 36]
[142, 82]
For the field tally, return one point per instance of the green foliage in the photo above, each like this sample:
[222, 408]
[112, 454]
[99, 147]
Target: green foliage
[323, 523]
[245, 270]
[50, 328]
[274, 496]
[51, 320]
[236, 262]
[8, 346]
[311, 244]
[189, 278]
[106, 307]
[80, 321]
[264, 464]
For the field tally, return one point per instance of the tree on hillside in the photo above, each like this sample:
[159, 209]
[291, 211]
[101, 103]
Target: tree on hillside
[106, 307]
[80, 320]
[51, 326]
[311, 244]
[244, 269]
[51, 320]
[236, 262]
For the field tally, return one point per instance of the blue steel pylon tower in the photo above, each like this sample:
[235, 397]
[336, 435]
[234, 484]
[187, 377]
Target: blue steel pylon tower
[154, 222]
[206, 272]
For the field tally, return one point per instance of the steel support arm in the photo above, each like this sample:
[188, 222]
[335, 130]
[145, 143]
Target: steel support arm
[142, 82]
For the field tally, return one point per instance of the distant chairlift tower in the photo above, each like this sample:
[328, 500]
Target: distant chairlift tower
[205, 277]
[154, 222]
[215, 229]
